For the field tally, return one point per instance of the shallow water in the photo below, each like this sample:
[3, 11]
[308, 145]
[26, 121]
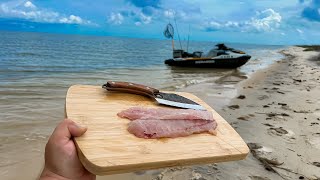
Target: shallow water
[36, 70]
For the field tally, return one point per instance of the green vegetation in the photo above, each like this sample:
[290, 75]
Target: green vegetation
[316, 58]
[310, 47]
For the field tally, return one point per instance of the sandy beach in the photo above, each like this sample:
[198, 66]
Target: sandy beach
[279, 119]
[276, 111]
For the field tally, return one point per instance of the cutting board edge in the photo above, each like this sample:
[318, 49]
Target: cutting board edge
[105, 170]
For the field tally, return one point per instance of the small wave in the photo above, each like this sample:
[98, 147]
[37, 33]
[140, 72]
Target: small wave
[193, 82]
[29, 54]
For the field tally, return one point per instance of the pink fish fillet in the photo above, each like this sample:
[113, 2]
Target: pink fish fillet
[165, 114]
[170, 128]
[164, 122]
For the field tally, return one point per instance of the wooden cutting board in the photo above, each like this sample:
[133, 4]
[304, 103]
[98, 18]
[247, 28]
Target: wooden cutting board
[108, 148]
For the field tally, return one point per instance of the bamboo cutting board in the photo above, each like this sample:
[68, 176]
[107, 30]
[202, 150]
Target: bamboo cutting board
[108, 148]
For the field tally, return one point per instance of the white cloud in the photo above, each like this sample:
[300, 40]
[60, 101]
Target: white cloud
[115, 18]
[264, 21]
[72, 19]
[27, 10]
[169, 13]
[137, 23]
[145, 19]
[231, 24]
[29, 4]
[135, 16]
[213, 26]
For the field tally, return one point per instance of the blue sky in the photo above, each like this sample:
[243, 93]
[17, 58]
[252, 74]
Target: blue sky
[246, 21]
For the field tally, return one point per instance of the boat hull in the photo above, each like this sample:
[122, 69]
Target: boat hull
[212, 63]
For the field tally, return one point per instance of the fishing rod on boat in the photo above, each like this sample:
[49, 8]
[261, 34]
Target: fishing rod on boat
[188, 39]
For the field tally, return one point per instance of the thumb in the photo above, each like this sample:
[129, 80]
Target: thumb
[76, 130]
[65, 130]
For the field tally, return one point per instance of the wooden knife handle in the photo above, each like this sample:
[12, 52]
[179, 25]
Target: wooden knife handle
[130, 88]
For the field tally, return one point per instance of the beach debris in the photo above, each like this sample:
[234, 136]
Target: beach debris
[241, 97]
[267, 124]
[254, 146]
[316, 164]
[265, 106]
[271, 114]
[244, 118]
[302, 111]
[274, 114]
[255, 149]
[286, 108]
[284, 114]
[277, 84]
[282, 104]
[233, 124]
[262, 97]
[314, 123]
[280, 92]
[290, 149]
[279, 130]
[233, 107]
[288, 135]
[297, 80]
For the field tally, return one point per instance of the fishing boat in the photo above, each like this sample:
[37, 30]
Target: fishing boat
[219, 57]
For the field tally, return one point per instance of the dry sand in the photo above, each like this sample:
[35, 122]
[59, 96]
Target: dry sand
[278, 115]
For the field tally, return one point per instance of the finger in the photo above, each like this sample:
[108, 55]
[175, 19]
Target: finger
[76, 130]
[62, 132]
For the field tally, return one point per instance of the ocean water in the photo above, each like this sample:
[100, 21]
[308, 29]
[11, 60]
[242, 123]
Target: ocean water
[36, 70]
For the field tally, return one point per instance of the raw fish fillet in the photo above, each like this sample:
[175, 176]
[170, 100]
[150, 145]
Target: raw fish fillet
[170, 128]
[163, 122]
[165, 114]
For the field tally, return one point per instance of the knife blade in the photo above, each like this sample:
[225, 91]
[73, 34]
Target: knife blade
[169, 99]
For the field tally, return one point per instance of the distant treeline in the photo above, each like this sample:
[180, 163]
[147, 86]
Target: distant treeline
[310, 47]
